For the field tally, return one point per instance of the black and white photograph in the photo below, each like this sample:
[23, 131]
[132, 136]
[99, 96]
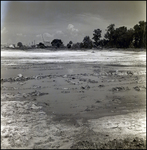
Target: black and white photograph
[73, 74]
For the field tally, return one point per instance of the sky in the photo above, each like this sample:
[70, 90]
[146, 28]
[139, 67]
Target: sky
[29, 21]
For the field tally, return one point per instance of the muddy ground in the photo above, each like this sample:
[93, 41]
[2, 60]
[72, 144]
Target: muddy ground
[73, 105]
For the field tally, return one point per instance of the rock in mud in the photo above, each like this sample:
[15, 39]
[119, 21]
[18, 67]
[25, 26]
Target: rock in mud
[65, 76]
[120, 89]
[20, 75]
[92, 81]
[65, 91]
[85, 87]
[137, 88]
[129, 72]
[98, 101]
[87, 109]
[84, 80]
[37, 93]
[101, 86]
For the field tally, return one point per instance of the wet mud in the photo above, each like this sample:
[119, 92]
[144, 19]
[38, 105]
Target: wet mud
[73, 105]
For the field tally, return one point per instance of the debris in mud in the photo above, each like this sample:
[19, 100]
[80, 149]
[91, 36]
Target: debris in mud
[81, 91]
[81, 79]
[38, 77]
[84, 74]
[129, 72]
[35, 93]
[116, 100]
[101, 85]
[65, 76]
[90, 108]
[92, 81]
[36, 87]
[18, 78]
[20, 75]
[139, 88]
[65, 91]
[42, 104]
[21, 83]
[120, 89]
[87, 109]
[9, 88]
[97, 101]
[74, 83]
[85, 87]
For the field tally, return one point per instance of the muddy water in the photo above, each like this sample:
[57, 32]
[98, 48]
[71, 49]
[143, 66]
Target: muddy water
[69, 86]
[83, 89]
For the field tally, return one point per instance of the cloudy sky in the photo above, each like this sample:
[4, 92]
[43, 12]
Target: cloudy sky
[26, 21]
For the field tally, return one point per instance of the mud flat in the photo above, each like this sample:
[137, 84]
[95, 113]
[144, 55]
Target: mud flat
[73, 100]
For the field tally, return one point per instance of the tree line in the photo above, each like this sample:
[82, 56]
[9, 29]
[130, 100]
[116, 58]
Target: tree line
[120, 37]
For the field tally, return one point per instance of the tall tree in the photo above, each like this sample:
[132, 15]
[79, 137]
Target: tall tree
[103, 43]
[110, 35]
[129, 37]
[140, 35]
[41, 45]
[19, 44]
[97, 36]
[121, 37]
[57, 43]
[75, 45]
[69, 44]
[87, 42]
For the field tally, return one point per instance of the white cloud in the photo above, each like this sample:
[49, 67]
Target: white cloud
[73, 31]
[38, 35]
[20, 34]
[48, 35]
[59, 32]
[44, 36]
[71, 28]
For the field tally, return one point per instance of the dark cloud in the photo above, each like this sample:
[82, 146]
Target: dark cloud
[34, 18]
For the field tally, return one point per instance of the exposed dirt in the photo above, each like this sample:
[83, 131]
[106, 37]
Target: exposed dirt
[73, 105]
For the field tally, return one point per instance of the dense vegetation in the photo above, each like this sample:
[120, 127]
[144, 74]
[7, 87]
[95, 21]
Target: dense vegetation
[113, 38]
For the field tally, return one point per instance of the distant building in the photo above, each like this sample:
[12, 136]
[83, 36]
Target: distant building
[12, 46]
[46, 43]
